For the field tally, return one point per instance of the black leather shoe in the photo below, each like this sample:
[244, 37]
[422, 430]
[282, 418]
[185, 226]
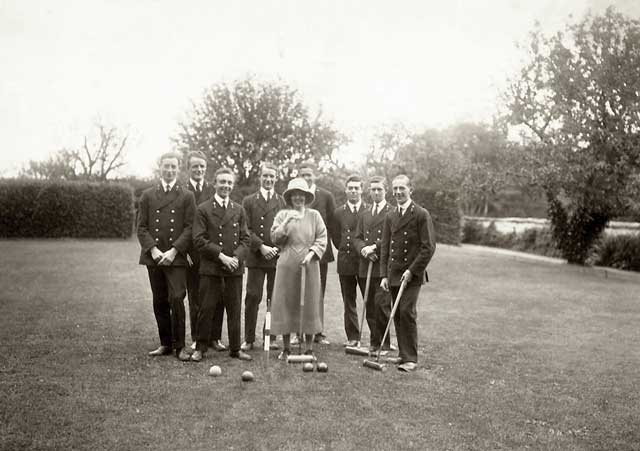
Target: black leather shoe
[162, 350]
[241, 355]
[183, 355]
[218, 346]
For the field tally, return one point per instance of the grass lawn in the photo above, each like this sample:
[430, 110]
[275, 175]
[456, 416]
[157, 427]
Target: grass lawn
[515, 354]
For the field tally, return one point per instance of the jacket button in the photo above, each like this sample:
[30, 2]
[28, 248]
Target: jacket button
[157, 239]
[170, 239]
[157, 220]
[220, 227]
[405, 259]
[262, 226]
[220, 234]
[171, 220]
[262, 234]
[379, 231]
[392, 259]
[157, 230]
[235, 242]
[173, 211]
[262, 218]
[405, 233]
[157, 211]
[220, 243]
[170, 230]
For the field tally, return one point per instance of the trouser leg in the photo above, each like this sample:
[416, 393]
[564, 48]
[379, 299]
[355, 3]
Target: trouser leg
[193, 293]
[210, 291]
[177, 283]
[232, 298]
[161, 307]
[255, 283]
[405, 322]
[348, 285]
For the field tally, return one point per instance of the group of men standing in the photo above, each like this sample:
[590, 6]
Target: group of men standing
[194, 239]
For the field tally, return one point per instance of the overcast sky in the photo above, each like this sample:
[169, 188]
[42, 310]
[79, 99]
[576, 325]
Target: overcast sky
[367, 63]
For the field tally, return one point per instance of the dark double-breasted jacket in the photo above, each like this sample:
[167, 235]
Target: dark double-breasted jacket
[326, 206]
[368, 232]
[165, 220]
[215, 230]
[408, 242]
[260, 214]
[343, 235]
[204, 195]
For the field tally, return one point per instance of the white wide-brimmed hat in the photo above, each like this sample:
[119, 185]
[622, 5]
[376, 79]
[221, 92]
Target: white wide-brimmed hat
[298, 184]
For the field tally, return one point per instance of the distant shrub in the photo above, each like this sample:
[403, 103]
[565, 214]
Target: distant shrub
[33, 208]
[445, 212]
[618, 251]
[472, 232]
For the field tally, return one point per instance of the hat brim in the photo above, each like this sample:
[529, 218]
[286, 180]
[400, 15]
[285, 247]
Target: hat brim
[309, 197]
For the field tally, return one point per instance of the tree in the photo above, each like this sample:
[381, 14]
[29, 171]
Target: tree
[578, 95]
[101, 154]
[59, 166]
[249, 122]
[473, 159]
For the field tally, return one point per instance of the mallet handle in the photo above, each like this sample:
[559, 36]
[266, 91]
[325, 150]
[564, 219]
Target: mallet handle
[366, 296]
[403, 285]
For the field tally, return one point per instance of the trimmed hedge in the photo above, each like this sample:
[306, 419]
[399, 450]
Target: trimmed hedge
[445, 212]
[613, 251]
[46, 209]
[618, 251]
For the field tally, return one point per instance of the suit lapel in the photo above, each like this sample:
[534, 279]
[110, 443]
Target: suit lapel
[379, 218]
[406, 216]
[163, 199]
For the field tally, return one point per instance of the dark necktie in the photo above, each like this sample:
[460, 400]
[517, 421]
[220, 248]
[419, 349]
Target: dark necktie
[375, 209]
[224, 205]
[166, 189]
[268, 196]
[199, 187]
[400, 211]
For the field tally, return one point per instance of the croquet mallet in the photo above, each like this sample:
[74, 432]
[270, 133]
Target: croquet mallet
[376, 365]
[301, 358]
[357, 349]
[267, 332]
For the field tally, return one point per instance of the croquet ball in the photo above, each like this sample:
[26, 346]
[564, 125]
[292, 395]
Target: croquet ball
[307, 367]
[323, 367]
[215, 371]
[247, 376]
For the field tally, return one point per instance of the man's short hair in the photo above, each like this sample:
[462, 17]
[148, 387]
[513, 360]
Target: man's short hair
[378, 179]
[195, 154]
[171, 155]
[354, 178]
[404, 177]
[268, 165]
[309, 164]
[224, 170]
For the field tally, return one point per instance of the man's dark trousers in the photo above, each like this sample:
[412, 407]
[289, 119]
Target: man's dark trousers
[255, 284]
[215, 291]
[168, 289]
[405, 322]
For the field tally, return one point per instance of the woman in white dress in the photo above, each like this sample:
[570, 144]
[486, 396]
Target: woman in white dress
[301, 235]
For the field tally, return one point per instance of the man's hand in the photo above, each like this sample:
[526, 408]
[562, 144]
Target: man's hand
[156, 254]
[307, 258]
[189, 260]
[231, 263]
[406, 276]
[168, 257]
[369, 252]
[384, 284]
[268, 252]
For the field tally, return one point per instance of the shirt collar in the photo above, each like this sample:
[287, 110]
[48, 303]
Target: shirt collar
[195, 184]
[264, 192]
[220, 200]
[381, 204]
[170, 185]
[405, 206]
[354, 205]
[312, 188]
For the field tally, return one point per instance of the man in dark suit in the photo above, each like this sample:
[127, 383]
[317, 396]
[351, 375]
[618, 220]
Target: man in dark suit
[368, 242]
[202, 191]
[325, 204]
[165, 218]
[408, 243]
[343, 236]
[260, 207]
[220, 234]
